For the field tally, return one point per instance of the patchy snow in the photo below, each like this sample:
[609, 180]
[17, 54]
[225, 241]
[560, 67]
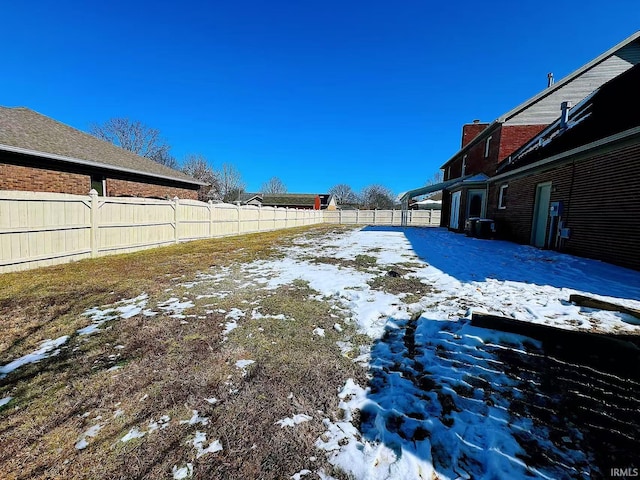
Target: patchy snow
[300, 474]
[318, 331]
[5, 400]
[243, 364]
[199, 442]
[126, 308]
[257, 315]
[180, 473]
[174, 307]
[82, 442]
[48, 348]
[408, 426]
[195, 418]
[133, 433]
[293, 421]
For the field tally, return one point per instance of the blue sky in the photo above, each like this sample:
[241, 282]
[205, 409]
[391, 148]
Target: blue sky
[315, 93]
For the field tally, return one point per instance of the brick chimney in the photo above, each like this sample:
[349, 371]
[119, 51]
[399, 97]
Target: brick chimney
[471, 131]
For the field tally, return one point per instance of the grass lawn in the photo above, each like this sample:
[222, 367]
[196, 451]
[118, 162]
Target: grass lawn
[142, 376]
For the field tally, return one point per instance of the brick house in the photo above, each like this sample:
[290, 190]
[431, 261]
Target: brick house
[40, 154]
[575, 187]
[485, 146]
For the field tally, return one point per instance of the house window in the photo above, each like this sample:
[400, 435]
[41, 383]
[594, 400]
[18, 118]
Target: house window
[486, 147]
[502, 199]
[98, 184]
[464, 165]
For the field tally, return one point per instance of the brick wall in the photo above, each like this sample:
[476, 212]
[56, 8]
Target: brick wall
[601, 206]
[128, 188]
[471, 131]
[23, 178]
[514, 136]
[32, 179]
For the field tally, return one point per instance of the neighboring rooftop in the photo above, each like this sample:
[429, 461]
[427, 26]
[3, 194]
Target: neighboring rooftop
[28, 132]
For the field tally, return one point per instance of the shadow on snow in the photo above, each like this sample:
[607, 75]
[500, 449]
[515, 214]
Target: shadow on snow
[475, 260]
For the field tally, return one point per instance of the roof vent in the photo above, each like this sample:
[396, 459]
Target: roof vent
[564, 117]
[476, 121]
[549, 79]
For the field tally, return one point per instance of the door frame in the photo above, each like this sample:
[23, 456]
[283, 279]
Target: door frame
[483, 207]
[454, 213]
[539, 209]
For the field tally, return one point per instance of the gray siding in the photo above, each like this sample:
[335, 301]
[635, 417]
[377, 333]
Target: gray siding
[547, 109]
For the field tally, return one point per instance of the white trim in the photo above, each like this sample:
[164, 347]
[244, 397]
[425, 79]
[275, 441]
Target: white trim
[464, 164]
[487, 144]
[501, 204]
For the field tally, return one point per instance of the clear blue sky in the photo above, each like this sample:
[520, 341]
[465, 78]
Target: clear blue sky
[316, 93]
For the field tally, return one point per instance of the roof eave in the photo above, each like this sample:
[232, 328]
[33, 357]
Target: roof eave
[627, 134]
[90, 163]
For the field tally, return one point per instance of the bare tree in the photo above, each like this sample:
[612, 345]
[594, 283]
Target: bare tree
[136, 137]
[198, 167]
[344, 194]
[436, 178]
[274, 185]
[231, 184]
[377, 196]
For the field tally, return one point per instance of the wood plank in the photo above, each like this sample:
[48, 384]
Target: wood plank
[615, 353]
[591, 302]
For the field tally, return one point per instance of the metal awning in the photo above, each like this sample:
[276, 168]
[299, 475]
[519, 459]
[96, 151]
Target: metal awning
[407, 196]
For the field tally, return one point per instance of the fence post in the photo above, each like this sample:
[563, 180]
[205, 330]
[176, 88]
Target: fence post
[392, 215]
[259, 216]
[93, 232]
[357, 215]
[374, 216]
[239, 221]
[176, 203]
[210, 202]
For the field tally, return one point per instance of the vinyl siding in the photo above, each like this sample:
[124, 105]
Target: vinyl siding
[547, 109]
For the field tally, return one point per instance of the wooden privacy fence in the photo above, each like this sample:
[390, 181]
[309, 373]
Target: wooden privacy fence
[410, 218]
[38, 229]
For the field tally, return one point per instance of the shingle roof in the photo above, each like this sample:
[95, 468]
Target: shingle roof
[26, 131]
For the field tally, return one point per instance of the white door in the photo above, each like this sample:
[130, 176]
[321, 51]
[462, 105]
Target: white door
[455, 210]
[541, 215]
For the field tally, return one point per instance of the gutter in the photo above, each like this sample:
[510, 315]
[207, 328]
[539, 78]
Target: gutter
[627, 134]
[90, 163]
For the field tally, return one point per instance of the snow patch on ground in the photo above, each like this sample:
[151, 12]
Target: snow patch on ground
[48, 348]
[126, 308]
[199, 442]
[293, 421]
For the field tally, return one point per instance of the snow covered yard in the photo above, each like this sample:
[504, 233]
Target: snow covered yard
[331, 353]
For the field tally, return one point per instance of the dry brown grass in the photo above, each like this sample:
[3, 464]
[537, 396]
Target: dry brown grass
[169, 366]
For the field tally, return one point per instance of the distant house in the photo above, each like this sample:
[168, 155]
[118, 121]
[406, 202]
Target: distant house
[313, 201]
[431, 201]
[575, 187]
[486, 146]
[40, 154]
